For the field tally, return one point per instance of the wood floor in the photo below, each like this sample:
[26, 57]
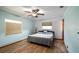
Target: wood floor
[26, 47]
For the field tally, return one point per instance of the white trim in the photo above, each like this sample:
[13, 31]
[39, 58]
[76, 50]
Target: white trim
[13, 21]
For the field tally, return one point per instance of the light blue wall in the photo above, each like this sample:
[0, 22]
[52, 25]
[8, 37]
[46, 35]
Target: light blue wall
[28, 26]
[1, 23]
[71, 22]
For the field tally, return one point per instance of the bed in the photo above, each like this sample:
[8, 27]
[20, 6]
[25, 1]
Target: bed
[44, 37]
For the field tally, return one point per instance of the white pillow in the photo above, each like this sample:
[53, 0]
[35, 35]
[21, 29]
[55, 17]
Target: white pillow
[45, 31]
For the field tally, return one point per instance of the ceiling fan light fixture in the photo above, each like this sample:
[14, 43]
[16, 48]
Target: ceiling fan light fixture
[34, 14]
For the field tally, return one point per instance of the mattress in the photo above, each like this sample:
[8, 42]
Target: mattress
[42, 35]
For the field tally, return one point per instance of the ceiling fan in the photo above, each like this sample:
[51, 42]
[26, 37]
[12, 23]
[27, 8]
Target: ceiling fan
[34, 12]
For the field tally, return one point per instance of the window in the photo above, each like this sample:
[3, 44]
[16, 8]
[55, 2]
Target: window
[47, 25]
[13, 27]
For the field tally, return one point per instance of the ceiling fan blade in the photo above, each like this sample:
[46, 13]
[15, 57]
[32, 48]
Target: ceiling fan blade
[40, 13]
[29, 14]
[27, 11]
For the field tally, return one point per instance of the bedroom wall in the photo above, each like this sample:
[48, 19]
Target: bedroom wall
[71, 22]
[28, 26]
[56, 24]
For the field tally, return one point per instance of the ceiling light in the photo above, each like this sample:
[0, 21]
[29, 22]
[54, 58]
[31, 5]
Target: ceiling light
[34, 14]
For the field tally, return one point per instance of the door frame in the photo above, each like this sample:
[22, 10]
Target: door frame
[63, 29]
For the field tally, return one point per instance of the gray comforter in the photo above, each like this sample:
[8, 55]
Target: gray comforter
[42, 38]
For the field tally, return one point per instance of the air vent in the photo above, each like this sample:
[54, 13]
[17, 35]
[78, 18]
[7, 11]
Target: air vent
[61, 6]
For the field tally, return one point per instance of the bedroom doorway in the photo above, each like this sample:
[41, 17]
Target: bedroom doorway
[63, 29]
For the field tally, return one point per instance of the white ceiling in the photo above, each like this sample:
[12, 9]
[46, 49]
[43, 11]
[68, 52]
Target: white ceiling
[51, 12]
